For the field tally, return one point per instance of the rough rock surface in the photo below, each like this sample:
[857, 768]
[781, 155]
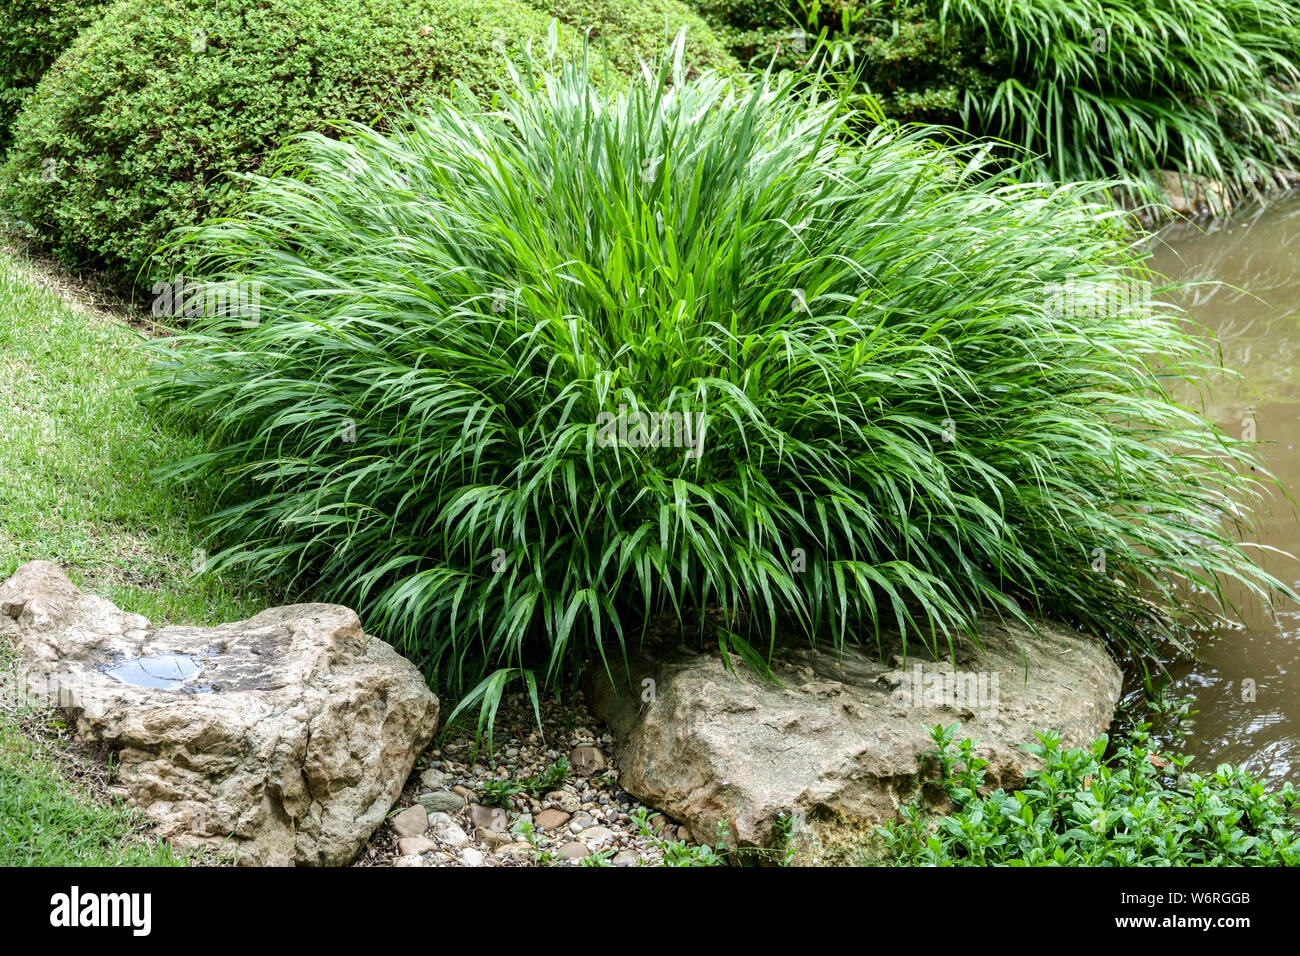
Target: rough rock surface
[845, 735]
[285, 738]
[1194, 197]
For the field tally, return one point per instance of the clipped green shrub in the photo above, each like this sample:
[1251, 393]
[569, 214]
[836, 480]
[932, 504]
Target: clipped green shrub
[139, 129]
[524, 381]
[32, 35]
[627, 31]
[1137, 807]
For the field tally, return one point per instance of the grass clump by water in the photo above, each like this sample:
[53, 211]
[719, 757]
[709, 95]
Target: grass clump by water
[524, 379]
[1125, 88]
[1090, 89]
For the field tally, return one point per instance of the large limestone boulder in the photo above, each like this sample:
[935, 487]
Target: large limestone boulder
[285, 738]
[842, 737]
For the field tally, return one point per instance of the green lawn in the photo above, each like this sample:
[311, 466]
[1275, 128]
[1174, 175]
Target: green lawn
[49, 819]
[75, 488]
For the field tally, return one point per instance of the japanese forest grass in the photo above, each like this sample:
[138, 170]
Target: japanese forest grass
[900, 426]
[1126, 88]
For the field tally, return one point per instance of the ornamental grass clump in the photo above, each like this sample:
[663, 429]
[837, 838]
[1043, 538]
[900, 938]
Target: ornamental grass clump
[1100, 88]
[524, 379]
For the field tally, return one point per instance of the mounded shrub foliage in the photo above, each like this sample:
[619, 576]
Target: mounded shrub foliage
[522, 381]
[32, 35]
[627, 32]
[145, 122]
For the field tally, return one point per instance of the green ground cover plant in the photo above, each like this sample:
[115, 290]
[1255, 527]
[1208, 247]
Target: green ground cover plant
[1136, 807]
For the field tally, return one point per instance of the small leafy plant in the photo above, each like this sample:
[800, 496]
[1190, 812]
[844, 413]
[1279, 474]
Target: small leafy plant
[678, 852]
[528, 833]
[1136, 807]
[547, 780]
[499, 792]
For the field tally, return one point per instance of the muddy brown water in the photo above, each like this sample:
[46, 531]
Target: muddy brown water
[1246, 680]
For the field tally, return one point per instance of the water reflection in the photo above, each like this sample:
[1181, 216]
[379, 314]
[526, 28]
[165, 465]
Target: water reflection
[1247, 682]
[163, 670]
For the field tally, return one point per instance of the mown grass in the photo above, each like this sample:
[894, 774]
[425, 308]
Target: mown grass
[75, 489]
[76, 479]
[48, 818]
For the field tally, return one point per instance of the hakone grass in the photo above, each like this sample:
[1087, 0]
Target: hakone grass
[1126, 88]
[922, 397]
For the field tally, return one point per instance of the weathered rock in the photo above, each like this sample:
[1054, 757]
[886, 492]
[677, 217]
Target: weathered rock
[573, 851]
[551, 819]
[489, 818]
[446, 830]
[412, 821]
[845, 735]
[595, 835]
[626, 858]
[517, 850]
[471, 857]
[1194, 197]
[415, 846]
[285, 738]
[491, 838]
[587, 760]
[441, 801]
[434, 779]
[564, 800]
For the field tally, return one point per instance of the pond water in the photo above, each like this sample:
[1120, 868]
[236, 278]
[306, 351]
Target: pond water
[1246, 682]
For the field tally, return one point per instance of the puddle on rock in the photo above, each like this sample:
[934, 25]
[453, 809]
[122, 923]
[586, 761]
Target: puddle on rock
[166, 671]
